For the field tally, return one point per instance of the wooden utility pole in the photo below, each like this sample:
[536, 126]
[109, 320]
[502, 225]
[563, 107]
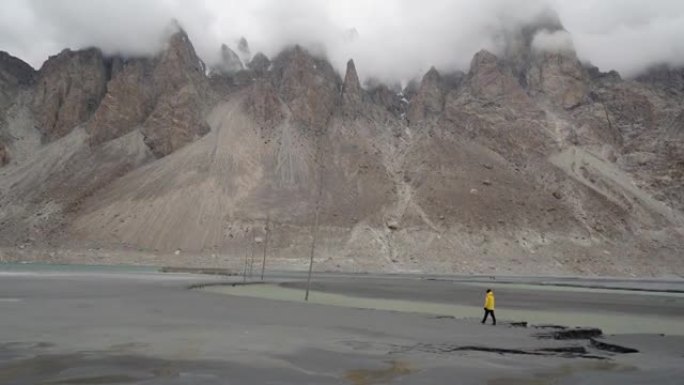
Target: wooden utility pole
[263, 263]
[244, 270]
[251, 261]
[314, 229]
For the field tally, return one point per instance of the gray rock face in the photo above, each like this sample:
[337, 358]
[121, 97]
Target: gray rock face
[69, 89]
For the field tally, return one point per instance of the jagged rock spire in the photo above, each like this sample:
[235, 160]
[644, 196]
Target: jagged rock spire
[230, 61]
[352, 93]
[429, 100]
[243, 49]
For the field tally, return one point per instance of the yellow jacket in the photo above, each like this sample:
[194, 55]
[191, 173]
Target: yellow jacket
[489, 301]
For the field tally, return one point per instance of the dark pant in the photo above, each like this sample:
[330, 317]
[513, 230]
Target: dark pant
[487, 313]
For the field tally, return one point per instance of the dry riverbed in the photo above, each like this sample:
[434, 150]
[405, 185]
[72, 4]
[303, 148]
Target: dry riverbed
[115, 326]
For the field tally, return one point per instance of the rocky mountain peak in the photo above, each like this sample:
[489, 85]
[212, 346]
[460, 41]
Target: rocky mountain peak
[351, 78]
[307, 84]
[542, 57]
[259, 63]
[178, 63]
[162, 96]
[69, 89]
[429, 99]
[431, 77]
[14, 71]
[230, 61]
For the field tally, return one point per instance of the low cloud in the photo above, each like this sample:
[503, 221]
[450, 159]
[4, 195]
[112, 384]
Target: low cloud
[394, 39]
[557, 41]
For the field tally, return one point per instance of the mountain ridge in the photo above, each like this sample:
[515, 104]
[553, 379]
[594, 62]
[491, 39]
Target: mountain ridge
[529, 161]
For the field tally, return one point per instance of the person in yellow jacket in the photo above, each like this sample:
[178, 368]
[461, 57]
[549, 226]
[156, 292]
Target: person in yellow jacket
[489, 307]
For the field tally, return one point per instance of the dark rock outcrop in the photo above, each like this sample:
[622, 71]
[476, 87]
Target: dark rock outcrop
[577, 334]
[390, 100]
[14, 72]
[664, 77]
[4, 156]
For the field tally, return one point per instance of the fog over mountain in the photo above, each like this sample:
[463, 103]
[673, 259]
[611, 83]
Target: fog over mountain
[392, 40]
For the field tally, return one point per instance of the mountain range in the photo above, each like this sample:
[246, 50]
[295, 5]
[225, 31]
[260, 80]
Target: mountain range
[532, 162]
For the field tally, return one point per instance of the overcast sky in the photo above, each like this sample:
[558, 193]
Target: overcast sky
[394, 39]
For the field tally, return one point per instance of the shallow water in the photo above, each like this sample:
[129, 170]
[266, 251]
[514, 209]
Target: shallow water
[610, 323]
[72, 268]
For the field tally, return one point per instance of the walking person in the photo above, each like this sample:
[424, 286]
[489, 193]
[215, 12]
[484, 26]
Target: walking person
[489, 307]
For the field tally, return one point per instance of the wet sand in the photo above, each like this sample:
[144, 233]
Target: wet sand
[142, 327]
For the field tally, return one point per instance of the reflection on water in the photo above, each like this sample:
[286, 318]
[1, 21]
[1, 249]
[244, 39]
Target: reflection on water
[617, 323]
